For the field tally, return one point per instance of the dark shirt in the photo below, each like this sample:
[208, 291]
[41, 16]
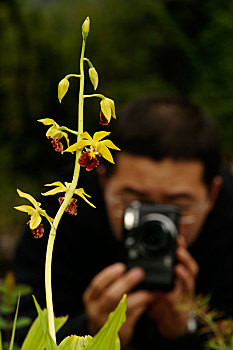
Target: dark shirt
[84, 245]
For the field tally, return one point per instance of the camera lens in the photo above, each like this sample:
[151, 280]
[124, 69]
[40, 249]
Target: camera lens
[154, 236]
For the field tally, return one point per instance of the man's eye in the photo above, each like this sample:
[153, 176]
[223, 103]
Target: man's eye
[184, 208]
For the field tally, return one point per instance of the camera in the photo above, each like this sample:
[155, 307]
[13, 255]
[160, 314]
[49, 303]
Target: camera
[149, 241]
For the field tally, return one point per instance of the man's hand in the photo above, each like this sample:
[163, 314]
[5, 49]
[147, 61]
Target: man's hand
[171, 322]
[104, 293]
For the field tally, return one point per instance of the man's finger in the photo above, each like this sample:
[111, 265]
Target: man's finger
[126, 283]
[139, 300]
[187, 260]
[103, 279]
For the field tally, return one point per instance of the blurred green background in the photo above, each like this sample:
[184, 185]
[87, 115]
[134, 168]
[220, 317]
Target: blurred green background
[138, 47]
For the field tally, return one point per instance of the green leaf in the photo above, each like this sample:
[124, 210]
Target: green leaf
[107, 338]
[49, 342]
[0, 340]
[14, 326]
[75, 343]
[36, 338]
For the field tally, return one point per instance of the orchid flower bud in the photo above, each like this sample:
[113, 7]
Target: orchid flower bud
[93, 75]
[63, 87]
[86, 28]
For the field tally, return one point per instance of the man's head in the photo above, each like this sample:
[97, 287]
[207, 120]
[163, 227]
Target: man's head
[170, 154]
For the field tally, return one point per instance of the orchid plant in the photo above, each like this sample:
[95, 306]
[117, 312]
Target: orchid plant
[87, 150]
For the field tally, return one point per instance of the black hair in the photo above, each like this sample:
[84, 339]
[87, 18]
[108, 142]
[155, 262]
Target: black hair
[162, 127]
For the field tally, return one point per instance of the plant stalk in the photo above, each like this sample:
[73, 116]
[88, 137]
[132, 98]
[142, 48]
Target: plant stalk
[68, 197]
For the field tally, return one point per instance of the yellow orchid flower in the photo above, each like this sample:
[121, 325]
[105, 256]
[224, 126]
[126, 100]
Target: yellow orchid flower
[35, 213]
[97, 147]
[59, 188]
[55, 133]
[107, 110]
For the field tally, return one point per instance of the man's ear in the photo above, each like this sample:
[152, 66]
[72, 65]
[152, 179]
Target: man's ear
[214, 189]
[102, 175]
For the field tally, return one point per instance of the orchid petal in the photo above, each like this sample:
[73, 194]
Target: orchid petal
[66, 137]
[35, 221]
[26, 208]
[109, 144]
[112, 105]
[86, 200]
[99, 135]
[85, 135]
[106, 108]
[78, 145]
[56, 183]
[47, 121]
[73, 148]
[83, 143]
[79, 191]
[105, 153]
[53, 131]
[28, 197]
[53, 191]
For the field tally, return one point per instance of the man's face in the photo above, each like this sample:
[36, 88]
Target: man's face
[167, 181]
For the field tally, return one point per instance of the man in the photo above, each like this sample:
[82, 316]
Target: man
[169, 155]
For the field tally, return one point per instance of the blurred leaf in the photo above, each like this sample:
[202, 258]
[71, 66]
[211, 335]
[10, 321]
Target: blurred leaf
[22, 289]
[4, 309]
[23, 322]
[2, 323]
[0, 340]
[2, 288]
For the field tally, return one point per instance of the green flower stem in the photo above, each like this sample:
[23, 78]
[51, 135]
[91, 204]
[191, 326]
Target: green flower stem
[95, 95]
[68, 197]
[89, 62]
[72, 75]
[81, 91]
[64, 128]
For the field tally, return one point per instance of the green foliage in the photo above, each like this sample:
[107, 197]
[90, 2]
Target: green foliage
[38, 337]
[218, 329]
[106, 339]
[9, 304]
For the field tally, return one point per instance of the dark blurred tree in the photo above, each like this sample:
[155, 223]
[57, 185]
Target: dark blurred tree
[164, 46]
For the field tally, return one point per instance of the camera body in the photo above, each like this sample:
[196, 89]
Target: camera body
[149, 241]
